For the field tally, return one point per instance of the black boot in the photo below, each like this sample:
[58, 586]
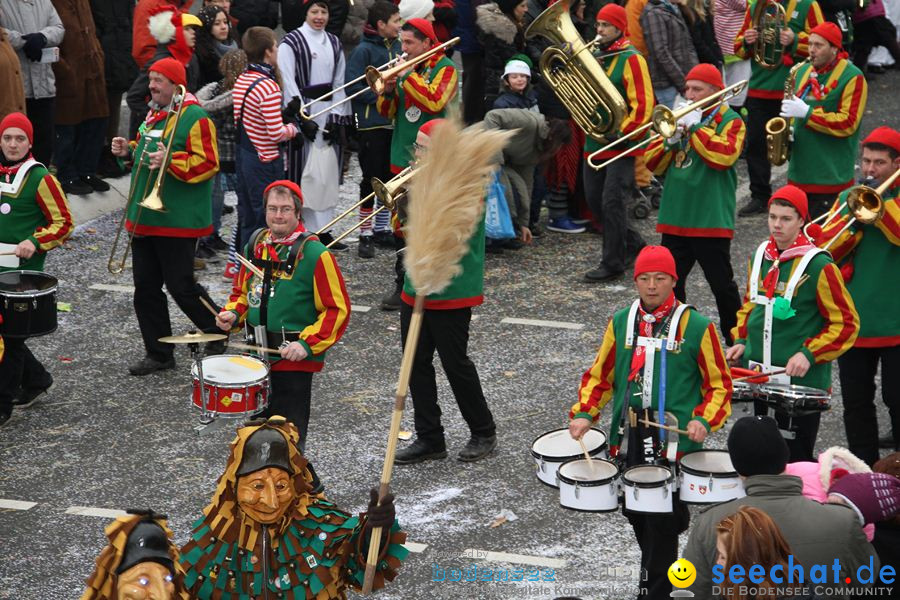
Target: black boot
[418, 452]
[755, 206]
[477, 448]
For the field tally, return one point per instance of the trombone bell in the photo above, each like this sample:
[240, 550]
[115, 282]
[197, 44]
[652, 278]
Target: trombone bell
[865, 204]
[153, 202]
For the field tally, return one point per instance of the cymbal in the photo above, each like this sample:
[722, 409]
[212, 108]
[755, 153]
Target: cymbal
[193, 338]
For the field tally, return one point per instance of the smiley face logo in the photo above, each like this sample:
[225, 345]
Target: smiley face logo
[682, 573]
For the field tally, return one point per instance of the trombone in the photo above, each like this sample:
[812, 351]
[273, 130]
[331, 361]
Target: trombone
[153, 200]
[664, 122]
[389, 193]
[306, 106]
[865, 204]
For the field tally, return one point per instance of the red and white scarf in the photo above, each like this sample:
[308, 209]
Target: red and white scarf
[645, 329]
[11, 170]
[800, 247]
[270, 241]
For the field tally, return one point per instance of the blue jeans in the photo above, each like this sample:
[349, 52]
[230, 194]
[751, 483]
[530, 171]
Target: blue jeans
[253, 176]
[666, 96]
[224, 182]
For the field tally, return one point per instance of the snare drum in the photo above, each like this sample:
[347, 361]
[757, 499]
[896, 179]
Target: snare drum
[745, 392]
[589, 487]
[708, 477]
[648, 489]
[556, 447]
[27, 303]
[234, 386]
[795, 400]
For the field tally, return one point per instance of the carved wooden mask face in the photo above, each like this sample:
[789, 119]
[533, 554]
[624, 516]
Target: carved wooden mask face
[145, 581]
[265, 495]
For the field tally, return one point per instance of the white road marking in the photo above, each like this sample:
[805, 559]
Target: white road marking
[90, 511]
[111, 287]
[522, 559]
[360, 308]
[16, 504]
[542, 323]
[415, 547]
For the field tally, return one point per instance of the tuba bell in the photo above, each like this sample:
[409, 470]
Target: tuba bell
[768, 19]
[575, 75]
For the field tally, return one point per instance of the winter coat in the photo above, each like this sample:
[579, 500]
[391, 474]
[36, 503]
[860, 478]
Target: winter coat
[816, 533]
[80, 83]
[352, 34]
[253, 13]
[445, 19]
[510, 99]
[219, 105]
[21, 17]
[672, 52]
[13, 97]
[293, 15]
[501, 38]
[138, 94]
[208, 62]
[373, 50]
[465, 27]
[143, 45]
[703, 36]
[114, 22]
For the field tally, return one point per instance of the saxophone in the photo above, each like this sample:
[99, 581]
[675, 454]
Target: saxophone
[778, 129]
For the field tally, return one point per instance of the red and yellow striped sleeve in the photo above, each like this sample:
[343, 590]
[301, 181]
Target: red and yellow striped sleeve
[386, 105]
[841, 318]
[739, 331]
[658, 156]
[431, 97]
[716, 386]
[639, 93]
[332, 304]
[740, 48]
[846, 241]
[719, 150]
[845, 120]
[53, 203]
[889, 224]
[200, 158]
[814, 18]
[237, 301]
[596, 387]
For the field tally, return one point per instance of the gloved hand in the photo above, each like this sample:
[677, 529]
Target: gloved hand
[380, 515]
[309, 129]
[291, 112]
[690, 119]
[34, 44]
[794, 107]
[335, 133]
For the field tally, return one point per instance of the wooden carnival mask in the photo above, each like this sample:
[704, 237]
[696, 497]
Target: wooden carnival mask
[146, 581]
[265, 488]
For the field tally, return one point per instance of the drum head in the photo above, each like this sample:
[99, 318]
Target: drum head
[708, 462]
[25, 283]
[647, 475]
[793, 391]
[230, 369]
[579, 470]
[558, 445]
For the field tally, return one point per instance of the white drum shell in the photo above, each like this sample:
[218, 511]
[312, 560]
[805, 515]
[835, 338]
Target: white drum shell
[648, 489]
[589, 491]
[708, 477]
[553, 448]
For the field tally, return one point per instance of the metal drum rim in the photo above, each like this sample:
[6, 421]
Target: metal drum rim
[562, 459]
[32, 293]
[592, 482]
[642, 484]
[697, 472]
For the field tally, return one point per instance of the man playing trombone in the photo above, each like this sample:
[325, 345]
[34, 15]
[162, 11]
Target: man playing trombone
[607, 191]
[869, 255]
[701, 156]
[175, 156]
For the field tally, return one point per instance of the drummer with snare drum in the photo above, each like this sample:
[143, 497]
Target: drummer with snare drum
[34, 218]
[797, 317]
[666, 359]
[300, 306]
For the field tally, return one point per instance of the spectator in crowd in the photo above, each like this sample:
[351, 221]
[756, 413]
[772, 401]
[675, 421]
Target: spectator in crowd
[416, 9]
[293, 15]
[83, 109]
[698, 16]
[887, 533]
[114, 22]
[257, 13]
[214, 39]
[516, 90]
[143, 44]
[500, 31]
[472, 60]
[13, 99]
[356, 22]
[633, 11]
[444, 20]
[380, 44]
[31, 27]
[872, 28]
[728, 17]
[874, 497]
[671, 52]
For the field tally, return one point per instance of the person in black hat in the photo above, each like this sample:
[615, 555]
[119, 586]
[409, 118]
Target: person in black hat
[263, 503]
[139, 563]
[817, 533]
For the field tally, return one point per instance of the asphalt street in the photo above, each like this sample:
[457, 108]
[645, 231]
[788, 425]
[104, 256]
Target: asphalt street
[102, 441]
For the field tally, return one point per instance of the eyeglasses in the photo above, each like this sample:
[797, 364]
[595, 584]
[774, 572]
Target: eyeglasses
[418, 146]
[284, 210]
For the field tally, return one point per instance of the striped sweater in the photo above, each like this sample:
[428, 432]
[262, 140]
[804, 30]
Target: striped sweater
[262, 115]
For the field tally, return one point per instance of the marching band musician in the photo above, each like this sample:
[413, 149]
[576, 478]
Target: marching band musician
[164, 242]
[702, 155]
[786, 324]
[828, 106]
[35, 217]
[657, 330]
[300, 306]
[608, 191]
[766, 89]
[869, 256]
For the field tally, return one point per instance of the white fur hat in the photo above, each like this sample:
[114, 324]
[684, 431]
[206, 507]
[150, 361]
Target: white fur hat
[517, 66]
[415, 9]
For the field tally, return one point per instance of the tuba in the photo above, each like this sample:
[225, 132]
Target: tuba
[575, 75]
[778, 129]
[768, 19]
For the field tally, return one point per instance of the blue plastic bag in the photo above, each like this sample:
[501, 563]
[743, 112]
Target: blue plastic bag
[497, 220]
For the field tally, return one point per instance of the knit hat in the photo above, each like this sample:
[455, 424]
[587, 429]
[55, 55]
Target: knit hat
[284, 183]
[507, 6]
[706, 73]
[171, 69]
[516, 66]
[830, 32]
[655, 259]
[756, 447]
[19, 120]
[886, 136]
[424, 27]
[874, 496]
[415, 9]
[614, 15]
[794, 195]
[429, 126]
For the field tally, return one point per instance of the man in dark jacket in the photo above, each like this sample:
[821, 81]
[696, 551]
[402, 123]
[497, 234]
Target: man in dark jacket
[257, 13]
[671, 51]
[818, 534]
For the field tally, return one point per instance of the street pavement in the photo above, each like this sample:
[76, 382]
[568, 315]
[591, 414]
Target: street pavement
[102, 441]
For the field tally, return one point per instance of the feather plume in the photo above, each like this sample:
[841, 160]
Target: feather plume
[446, 201]
[161, 26]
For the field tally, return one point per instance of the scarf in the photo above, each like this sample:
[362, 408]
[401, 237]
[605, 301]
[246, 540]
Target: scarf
[9, 168]
[158, 113]
[263, 68]
[646, 320]
[801, 246]
[270, 241]
[617, 44]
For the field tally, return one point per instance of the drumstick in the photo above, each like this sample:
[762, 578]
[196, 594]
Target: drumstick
[10, 253]
[250, 266]
[661, 426]
[759, 376]
[209, 306]
[243, 346]
[587, 456]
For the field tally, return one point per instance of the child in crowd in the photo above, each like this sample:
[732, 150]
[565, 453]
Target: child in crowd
[515, 85]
